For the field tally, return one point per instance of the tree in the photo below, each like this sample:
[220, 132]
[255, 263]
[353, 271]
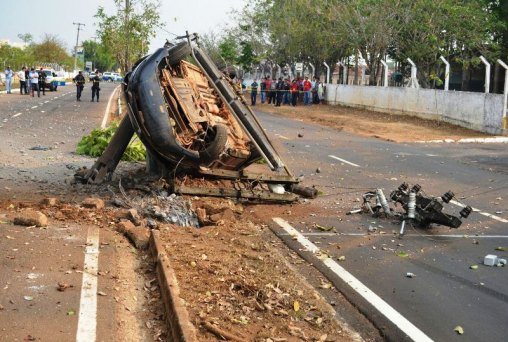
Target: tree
[99, 54]
[51, 50]
[126, 34]
[26, 38]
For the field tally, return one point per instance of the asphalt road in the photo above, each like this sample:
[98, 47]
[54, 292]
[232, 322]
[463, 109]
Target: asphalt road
[38, 137]
[33, 261]
[445, 292]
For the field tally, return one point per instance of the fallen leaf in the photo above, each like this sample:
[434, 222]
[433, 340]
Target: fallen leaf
[29, 338]
[459, 330]
[100, 293]
[341, 258]
[473, 267]
[193, 264]
[501, 248]
[325, 285]
[71, 312]
[28, 298]
[324, 228]
[402, 254]
[296, 306]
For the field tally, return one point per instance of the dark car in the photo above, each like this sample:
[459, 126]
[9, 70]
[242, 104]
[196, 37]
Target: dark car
[191, 116]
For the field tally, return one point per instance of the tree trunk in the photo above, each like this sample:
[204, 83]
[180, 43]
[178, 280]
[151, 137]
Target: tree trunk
[496, 79]
[466, 76]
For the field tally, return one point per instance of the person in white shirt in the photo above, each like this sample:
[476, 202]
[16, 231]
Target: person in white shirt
[22, 81]
[9, 75]
[34, 82]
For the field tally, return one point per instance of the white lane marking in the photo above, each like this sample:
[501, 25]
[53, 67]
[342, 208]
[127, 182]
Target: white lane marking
[16, 115]
[106, 112]
[343, 160]
[454, 236]
[500, 219]
[87, 323]
[383, 307]
[34, 107]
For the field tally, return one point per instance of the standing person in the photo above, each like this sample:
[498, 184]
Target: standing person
[263, 91]
[80, 84]
[294, 92]
[279, 87]
[307, 86]
[9, 75]
[287, 89]
[253, 92]
[27, 79]
[96, 86]
[315, 88]
[268, 83]
[22, 81]
[42, 81]
[321, 92]
[34, 82]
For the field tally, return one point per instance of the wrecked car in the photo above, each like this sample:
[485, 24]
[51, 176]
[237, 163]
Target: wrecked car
[192, 120]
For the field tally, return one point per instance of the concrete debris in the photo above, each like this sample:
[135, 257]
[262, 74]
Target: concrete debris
[139, 236]
[93, 203]
[49, 202]
[31, 217]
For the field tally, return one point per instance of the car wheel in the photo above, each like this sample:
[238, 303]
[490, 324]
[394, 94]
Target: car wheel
[178, 52]
[216, 146]
[51, 87]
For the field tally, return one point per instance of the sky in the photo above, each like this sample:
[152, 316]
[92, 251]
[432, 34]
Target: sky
[57, 17]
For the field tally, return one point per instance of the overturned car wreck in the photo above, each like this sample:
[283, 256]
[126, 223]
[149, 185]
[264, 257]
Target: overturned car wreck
[193, 121]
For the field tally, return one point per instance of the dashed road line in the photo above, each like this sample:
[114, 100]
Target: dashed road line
[453, 236]
[343, 160]
[383, 307]
[500, 219]
[87, 322]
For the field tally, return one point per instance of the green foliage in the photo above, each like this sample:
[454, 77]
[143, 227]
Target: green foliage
[96, 142]
[126, 33]
[99, 54]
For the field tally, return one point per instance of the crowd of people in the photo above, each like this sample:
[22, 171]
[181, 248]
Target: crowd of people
[285, 91]
[30, 81]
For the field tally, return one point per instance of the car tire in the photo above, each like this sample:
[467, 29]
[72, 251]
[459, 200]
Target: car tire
[178, 52]
[52, 87]
[216, 147]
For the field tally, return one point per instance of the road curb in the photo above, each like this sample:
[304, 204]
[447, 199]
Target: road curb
[180, 327]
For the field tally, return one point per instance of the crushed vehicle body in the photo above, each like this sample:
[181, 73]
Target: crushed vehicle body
[192, 120]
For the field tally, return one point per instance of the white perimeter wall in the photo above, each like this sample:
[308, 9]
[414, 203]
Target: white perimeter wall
[478, 111]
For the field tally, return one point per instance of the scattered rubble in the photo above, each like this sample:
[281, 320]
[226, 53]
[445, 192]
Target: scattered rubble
[30, 217]
[93, 203]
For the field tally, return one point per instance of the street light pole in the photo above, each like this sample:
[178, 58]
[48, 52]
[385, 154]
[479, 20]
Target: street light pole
[76, 47]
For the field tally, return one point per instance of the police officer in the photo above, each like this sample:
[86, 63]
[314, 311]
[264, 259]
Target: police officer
[80, 84]
[96, 86]
[42, 81]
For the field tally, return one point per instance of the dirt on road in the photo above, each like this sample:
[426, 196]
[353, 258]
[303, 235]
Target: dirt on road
[390, 127]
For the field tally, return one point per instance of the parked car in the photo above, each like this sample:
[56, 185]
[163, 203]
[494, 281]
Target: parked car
[53, 80]
[112, 77]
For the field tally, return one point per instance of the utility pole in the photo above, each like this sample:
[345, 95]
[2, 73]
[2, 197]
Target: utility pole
[127, 33]
[76, 47]
[94, 52]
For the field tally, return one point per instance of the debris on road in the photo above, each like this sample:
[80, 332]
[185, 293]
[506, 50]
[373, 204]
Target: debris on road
[490, 260]
[410, 275]
[30, 218]
[418, 208]
[93, 203]
[459, 330]
[40, 148]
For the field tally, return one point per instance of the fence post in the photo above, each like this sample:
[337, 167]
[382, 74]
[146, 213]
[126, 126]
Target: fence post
[327, 72]
[505, 102]
[413, 83]
[385, 82]
[487, 74]
[447, 73]
[313, 70]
